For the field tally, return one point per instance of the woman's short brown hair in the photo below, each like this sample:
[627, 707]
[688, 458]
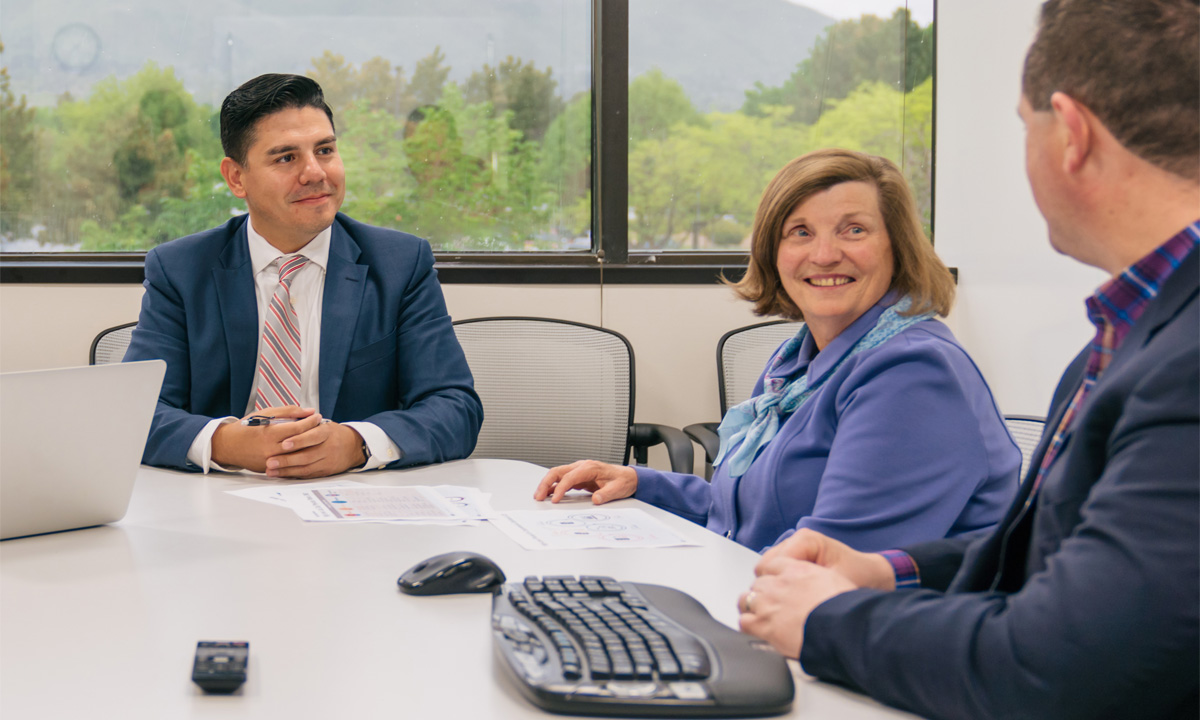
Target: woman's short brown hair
[919, 272]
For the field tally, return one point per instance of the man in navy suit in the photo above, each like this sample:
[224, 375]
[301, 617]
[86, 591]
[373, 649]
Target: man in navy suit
[1085, 601]
[377, 377]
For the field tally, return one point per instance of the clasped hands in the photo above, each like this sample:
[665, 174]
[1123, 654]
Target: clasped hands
[306, 448]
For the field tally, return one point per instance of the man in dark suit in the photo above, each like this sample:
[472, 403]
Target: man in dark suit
[1085, 601]
[330, 336]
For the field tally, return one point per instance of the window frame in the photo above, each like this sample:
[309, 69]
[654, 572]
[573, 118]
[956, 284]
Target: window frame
[609, 261]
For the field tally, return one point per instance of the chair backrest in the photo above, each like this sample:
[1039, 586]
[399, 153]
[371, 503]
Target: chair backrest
[110, 345]
[1027, 431]
[742, 354]
[553, 391]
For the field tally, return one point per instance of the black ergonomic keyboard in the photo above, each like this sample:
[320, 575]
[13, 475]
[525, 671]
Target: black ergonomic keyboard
[595, 646]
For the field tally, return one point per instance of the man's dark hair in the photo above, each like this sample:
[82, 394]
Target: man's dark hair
[262, 96]
[1134, 63]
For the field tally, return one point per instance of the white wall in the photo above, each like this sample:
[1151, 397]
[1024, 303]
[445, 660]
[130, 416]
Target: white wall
[1020, 305]
[1019, 313]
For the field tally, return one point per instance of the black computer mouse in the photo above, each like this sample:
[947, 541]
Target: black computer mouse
[454, 572]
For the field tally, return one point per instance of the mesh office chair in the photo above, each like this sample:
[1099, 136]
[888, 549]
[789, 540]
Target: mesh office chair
[742, 354]
[110, 345]
[555, 392]
[1027, 431]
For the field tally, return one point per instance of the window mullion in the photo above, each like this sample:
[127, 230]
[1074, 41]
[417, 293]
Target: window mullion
[610, 130]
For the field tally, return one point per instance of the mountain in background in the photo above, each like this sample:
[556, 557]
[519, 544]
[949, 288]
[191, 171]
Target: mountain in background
[716, 49]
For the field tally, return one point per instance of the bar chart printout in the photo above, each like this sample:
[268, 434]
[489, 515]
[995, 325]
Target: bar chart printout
[334, 504]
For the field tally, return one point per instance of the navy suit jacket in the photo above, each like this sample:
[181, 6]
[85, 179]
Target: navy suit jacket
[1085, 602]
[389, 355]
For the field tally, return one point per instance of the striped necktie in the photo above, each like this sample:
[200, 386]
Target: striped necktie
[279, 363]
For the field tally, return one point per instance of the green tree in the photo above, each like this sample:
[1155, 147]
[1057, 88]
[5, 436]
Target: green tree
[123, 147]
[567, 149]
[881, 120]
[455, 171]
[870, 119]
[476, 180]
[337, 79]
[896, 51]
[918, 55]
[706, 179]
[377, 179]
[429, 77]
[376, 83]
[656, 104]
[149, 162]
[565, 167]
[917, 160]
[206, 201]
[384, 87]
[520, 87]
[18, 158]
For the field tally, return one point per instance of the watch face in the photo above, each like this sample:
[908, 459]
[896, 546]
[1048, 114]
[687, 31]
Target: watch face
[76, 46]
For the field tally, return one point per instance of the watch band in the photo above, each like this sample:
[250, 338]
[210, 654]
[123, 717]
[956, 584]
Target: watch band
[366, 451]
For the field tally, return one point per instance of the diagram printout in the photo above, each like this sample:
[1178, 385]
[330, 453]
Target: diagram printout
[592, 528]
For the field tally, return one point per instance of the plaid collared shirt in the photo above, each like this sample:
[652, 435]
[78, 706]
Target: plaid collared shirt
[1113, 309]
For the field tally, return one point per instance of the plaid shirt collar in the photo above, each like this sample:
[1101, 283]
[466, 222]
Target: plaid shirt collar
[1118, 303]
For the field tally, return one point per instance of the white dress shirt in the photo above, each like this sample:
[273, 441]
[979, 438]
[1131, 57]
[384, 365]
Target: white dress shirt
[307, 291]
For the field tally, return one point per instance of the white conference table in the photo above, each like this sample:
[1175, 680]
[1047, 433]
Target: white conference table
[103, 622]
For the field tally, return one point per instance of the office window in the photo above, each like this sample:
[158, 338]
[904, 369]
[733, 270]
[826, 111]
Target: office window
[720, 100]
[463, 122]
[468, 122]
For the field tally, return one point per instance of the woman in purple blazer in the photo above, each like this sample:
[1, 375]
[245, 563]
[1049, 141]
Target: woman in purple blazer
[871, 425]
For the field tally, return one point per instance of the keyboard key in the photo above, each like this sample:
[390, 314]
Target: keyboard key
[689, 691]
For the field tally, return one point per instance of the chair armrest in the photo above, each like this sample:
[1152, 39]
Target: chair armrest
[679, 447]
[705, 435]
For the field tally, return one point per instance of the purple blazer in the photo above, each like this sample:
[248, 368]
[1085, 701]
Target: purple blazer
[903, 443]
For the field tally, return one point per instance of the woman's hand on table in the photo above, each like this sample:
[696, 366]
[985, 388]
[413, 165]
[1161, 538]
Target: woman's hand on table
[605, 482]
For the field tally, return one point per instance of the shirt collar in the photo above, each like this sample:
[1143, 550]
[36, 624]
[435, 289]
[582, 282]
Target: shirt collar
[263, 253]
[1122, 300]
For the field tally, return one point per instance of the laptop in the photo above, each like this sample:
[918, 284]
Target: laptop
[71, 441]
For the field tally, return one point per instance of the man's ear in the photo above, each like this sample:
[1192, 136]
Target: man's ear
[232, 172]
[1074, 123]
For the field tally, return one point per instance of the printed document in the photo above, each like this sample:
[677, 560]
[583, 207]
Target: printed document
[592, 528]
[352, 501]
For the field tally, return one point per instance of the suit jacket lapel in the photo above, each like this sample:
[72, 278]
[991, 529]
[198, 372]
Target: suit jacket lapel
[1068, 387]
[238, 310]
[344, 284]
[1174, 294]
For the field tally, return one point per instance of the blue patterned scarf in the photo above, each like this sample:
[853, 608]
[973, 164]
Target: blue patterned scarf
[755, 422]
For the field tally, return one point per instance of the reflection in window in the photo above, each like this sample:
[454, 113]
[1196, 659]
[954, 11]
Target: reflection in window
[471, 129]
[722, 100]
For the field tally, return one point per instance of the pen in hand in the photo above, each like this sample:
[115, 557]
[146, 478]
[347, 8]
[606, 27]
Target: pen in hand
[256, 420]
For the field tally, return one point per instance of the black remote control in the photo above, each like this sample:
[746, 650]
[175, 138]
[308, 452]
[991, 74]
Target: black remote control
[220, 666]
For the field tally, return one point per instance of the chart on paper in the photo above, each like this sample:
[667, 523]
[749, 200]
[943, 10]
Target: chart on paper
[573, 529]
[372, 503]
